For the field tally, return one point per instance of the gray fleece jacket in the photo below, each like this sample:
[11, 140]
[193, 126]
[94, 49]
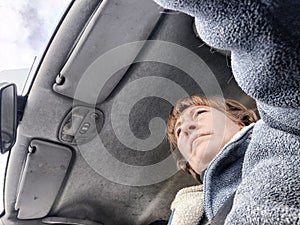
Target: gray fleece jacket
[264, 39]
[224, 173]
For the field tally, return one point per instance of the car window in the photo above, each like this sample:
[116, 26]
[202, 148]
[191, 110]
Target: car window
[22, 42]
[24, 38]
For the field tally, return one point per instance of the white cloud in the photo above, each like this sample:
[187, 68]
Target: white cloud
[26, 26]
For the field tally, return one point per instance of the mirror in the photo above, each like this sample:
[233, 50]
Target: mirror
[8, 119]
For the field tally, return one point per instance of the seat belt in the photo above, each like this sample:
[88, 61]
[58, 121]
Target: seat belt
[222, 213]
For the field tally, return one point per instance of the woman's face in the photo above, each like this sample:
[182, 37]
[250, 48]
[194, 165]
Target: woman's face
[201, 133]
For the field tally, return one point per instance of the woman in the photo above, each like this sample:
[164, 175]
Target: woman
[202, 128]
[263, 37]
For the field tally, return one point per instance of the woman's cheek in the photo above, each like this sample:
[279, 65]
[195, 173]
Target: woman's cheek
[182, 148]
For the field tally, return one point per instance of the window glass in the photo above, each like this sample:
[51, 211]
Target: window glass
[26, 27]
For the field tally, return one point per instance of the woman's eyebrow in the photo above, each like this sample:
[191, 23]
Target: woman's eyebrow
[193, 111]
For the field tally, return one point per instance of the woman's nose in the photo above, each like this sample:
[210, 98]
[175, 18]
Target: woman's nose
[189, 127]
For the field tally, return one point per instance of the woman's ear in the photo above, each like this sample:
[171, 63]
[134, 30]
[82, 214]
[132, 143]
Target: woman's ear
[241, 124]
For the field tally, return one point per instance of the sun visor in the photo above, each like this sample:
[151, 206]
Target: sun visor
[110, 42]
[42, 178]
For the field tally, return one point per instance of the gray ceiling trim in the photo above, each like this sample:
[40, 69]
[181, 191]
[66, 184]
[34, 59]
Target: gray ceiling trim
[112, 25]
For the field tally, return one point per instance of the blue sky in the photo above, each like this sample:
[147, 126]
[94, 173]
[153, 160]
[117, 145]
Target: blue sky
[26, 26]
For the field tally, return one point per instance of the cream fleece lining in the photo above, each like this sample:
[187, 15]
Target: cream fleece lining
[188, 205]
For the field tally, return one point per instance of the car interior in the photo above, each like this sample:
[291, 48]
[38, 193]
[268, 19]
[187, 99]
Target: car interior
[91, 146]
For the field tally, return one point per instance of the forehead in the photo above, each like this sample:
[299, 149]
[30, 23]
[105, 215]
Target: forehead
[188, 111]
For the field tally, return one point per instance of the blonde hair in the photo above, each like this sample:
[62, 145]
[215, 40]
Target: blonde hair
[231, 108]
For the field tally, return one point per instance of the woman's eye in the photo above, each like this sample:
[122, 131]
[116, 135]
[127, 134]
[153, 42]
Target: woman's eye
[200, 112]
